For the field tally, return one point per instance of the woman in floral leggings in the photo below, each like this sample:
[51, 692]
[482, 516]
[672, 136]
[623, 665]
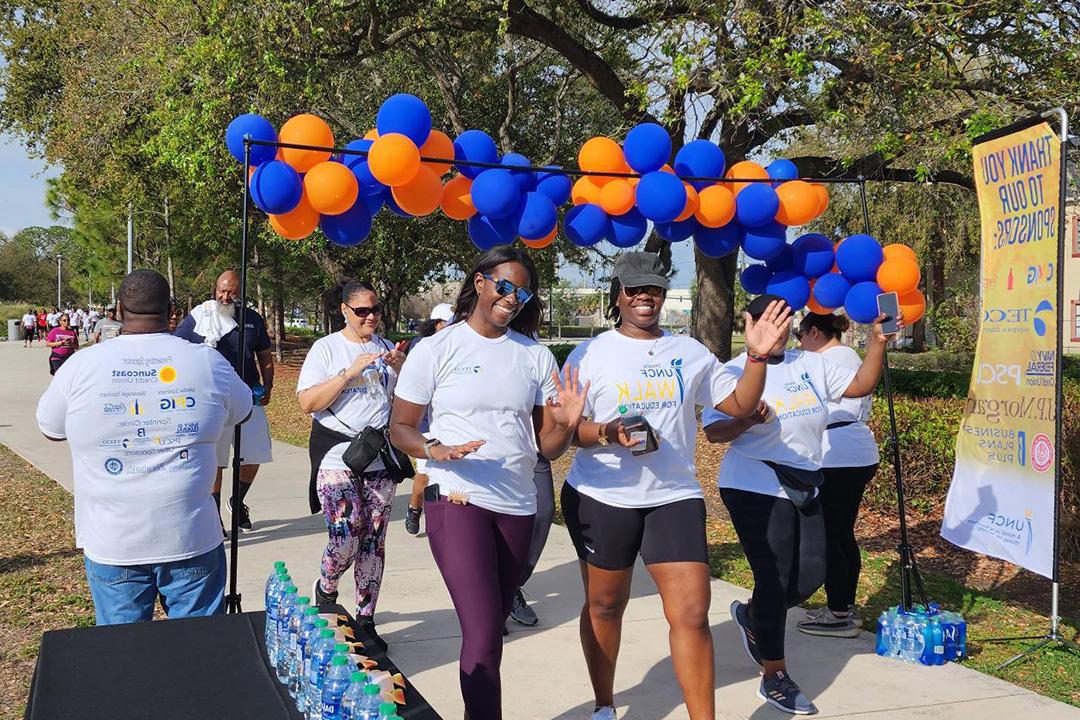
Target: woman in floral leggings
[346, 384]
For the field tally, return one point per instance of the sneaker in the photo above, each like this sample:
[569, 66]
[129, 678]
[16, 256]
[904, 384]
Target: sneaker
[781, 692]
[320, 597]
[740, 613]
[245, 517]
[521, 613]
[826, 624]
[853, 614]
[367, 627]
[412, 519]
[604, 713]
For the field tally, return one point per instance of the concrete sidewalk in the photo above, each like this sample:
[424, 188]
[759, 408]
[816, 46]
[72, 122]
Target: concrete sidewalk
[543, 671]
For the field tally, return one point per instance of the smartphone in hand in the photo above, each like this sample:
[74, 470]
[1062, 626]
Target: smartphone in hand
[888, 304]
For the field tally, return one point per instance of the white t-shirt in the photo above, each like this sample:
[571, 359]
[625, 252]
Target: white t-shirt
[52, 319]
[661, 379]
[852, 445]
[797, 392]
[29, 320]
[364, 401]
[143, 415]
[482, 388]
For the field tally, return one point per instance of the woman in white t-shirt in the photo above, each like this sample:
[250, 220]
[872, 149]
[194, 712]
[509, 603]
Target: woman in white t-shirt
[768, 482]
[29, 326]
[495, 400]
[849, 462]
[620, 502]
[346, 384]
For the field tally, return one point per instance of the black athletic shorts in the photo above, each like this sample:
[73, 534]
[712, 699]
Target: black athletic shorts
[610, 537]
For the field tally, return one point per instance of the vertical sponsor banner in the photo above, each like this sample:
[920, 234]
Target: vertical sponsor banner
[1001, 501]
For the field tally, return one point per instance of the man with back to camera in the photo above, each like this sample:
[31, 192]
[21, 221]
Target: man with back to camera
[215, 324]
[143, 415]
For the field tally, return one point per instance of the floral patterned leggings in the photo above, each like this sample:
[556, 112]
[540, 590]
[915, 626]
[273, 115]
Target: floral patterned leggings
[357, 510]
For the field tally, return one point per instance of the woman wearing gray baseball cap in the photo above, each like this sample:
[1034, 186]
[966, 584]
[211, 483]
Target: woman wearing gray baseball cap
[632, 488]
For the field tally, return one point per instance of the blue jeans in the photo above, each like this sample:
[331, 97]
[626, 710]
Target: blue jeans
[188, 588]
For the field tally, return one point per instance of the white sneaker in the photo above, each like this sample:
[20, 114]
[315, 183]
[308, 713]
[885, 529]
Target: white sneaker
[605, 713]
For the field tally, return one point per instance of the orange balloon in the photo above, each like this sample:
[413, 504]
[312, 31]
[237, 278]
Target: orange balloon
[585, 191]
[823, 197]
[799, 203]
[438, 145]
[691, 205]
[815, 307]
[280, 154]
[251, 171]
[456, 201]
[744, 169]
[899, 251]
[421, 195]
[913, 305]
[371, 134]
[393, 159]
[305, 129]
[601, 154]
[541, 242]
[668, 169]
[899, 275]
[617, 197]
[298, 223]
[331, 188]
[716, 206]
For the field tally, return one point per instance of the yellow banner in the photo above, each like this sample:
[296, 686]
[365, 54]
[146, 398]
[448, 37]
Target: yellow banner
[1001, 501]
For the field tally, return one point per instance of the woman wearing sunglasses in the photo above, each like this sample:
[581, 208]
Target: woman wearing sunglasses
[624, 497]
[495, 400]
[346, 384]
[64, 342]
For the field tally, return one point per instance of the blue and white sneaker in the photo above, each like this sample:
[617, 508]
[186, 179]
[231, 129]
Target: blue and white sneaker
[781, 692]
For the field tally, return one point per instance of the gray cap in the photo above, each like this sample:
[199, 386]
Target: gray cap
[634, 269]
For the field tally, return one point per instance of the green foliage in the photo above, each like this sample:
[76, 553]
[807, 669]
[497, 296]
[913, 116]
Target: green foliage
[928, 383]
[561, 351]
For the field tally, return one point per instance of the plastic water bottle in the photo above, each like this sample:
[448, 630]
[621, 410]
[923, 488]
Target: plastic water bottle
[937, 635]
[354, 696]
[912, 642]
[297, 676]
[338, 677]
[309, 639]
[288, 667]
[372, 700]
[322, 651]
[885, 633]
[286, 607]
[387, 710]
[961, 637]
[257, 392]
[272, 603]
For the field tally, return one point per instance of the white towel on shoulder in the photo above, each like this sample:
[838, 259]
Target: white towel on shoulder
[211, 324]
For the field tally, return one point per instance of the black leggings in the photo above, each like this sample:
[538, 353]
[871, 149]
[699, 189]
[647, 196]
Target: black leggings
[786, 549]
[545, 513]
[841, 494]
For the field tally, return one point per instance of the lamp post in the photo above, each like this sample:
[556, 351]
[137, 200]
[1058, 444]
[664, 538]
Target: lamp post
[58, 262]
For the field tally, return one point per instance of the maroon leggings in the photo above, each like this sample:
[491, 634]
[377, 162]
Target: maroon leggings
[481, 555]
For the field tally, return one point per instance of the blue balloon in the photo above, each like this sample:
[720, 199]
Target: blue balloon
[487, 232]
[761, 243]
[647, 147]
[374, 203]
[390, 202]
[257, 128]
[661, 196]
[557, 186]
[755, 278]
[861, 302]
[586, 224]
[782, 170]
[275, 187]
[781, 261]
[350, 227]
[405, 114]
[677, 231]
[859, 257]
[700, 158]
[718, 242]
[495, 194]
[474, 146]
[831, 290]
[756, 205]
[793, 287]
[359, 166]
[813, 254]
[628, 229]
[536, 216]
[526, 179]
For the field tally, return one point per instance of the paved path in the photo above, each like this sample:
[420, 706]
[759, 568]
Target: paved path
[543, 671]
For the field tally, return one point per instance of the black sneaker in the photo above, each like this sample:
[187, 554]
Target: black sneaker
[412, 519]
[740, 613]
[781, 692]
[320, 597]
[521, 613]
[367, 627]
[245, 517]
[826, 624]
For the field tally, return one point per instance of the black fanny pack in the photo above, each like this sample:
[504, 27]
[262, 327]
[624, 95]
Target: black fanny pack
[371, 443]
[798, 484]
[839, 424]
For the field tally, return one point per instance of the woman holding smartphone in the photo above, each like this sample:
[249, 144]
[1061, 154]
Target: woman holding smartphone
[64, 342]
[632, 487]
[495, 399]
[769, 481]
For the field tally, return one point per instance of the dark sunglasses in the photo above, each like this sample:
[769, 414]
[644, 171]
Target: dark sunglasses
[653, 290]
[505, 287]
[363, 312]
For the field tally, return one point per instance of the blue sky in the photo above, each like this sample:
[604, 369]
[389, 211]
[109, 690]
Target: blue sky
[22, 187]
